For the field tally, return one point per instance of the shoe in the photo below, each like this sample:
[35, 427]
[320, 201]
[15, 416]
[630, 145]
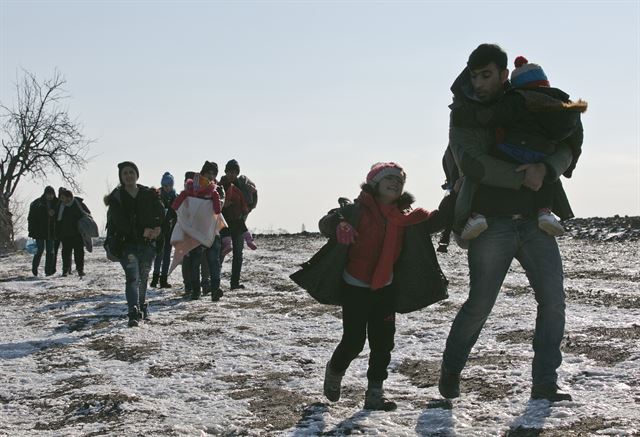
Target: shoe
[145, 312]
[237, 287]
[216, 295]
[34, 270]
[154, 280]
[332, 381]
[549, 392]
[449, 383]
[134, 317]
[80, 273]
[374, 399]
[248, 238]
[195, 293]
[475, 226]
[163, 282]
[206, 288]
[549, 224]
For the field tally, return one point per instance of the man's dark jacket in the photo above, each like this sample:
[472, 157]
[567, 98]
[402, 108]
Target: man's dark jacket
[42, 225]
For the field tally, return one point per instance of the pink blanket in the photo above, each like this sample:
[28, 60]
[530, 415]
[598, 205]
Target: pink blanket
[197, 224]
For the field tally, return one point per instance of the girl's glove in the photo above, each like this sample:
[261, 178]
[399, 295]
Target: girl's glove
[345, 233]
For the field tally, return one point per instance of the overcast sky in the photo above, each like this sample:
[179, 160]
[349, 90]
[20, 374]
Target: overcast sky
[307, 95]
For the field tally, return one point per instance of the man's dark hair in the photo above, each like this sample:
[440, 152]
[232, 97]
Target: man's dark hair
[485, 54]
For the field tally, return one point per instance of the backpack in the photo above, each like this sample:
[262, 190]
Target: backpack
[249, 191]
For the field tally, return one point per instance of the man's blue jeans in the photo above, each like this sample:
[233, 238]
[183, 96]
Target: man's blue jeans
[136, 262]
[489, 256]
[50, 257]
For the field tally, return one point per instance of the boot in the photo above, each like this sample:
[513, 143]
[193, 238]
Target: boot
[154, 280]
[374, 399]
[216, 295]
[206, 288]
[163, 282]
[145, 312]
[549, 392]
[134, 317]
[449, 384]
[332, 381]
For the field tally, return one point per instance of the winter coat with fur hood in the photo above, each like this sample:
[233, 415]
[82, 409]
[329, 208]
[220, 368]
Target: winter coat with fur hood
[471, 148]
[418, 280]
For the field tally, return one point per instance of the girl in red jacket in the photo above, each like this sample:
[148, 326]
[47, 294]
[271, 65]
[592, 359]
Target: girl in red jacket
[376, 240]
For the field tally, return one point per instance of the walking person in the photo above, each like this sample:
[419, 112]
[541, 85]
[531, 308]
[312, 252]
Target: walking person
[163, 260]
[135, 216]
[504, 193]
[70, 210]
[241, 199]
[379, 261]
[42, 228]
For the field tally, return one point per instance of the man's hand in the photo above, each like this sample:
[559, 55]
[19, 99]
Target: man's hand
[533, 175]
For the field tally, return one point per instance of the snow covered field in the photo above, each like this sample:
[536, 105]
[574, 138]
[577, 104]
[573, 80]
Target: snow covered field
[252, 364]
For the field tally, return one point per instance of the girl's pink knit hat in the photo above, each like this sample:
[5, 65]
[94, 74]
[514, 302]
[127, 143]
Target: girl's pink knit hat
[382, 169]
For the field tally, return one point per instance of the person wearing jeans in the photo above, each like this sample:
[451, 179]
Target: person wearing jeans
[503, 192]
[42, 228]
[209, 256]
[134, 219]
[489, 256]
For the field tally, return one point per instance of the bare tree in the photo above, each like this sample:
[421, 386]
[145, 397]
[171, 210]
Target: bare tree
[37, 137]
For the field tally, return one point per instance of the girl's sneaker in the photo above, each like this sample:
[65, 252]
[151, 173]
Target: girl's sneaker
[475, 226]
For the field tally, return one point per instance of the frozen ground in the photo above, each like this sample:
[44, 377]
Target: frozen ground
[252, 364]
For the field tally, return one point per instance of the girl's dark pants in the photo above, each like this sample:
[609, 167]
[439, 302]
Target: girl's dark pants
[366, 314]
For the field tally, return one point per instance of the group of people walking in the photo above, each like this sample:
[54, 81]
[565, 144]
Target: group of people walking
[204, 223]
[509, 143]
[53, 222]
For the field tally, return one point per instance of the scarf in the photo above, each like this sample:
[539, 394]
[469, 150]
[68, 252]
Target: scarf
[395, 219]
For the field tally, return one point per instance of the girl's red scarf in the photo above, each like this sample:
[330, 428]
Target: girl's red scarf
[395, 219]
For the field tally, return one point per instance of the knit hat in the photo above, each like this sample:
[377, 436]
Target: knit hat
[209, 166]
[124, 164]
[189, 175]
[382, 169]
[167, 179]
[232, 165]
[49, 190]
[528, 75]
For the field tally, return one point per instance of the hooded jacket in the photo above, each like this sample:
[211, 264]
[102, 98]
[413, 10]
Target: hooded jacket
[418, 280]
[471, 147]
[68, 218]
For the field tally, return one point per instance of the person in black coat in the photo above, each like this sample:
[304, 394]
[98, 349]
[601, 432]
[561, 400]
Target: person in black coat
[134, 219]
[70, 211]
[42, 228]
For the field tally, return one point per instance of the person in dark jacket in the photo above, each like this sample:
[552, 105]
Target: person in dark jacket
[134, 217]
[241, 199]
[70, 211]
[503, 192]
[42, 228]
[163, 260]
[379, 261]
[531, 120]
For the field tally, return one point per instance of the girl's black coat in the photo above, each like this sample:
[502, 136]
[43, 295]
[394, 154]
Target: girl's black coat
[418, 280]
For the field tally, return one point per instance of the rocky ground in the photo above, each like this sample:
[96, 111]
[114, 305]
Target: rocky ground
[252, 364]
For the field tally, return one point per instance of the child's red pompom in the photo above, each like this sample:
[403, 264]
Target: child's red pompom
[520, 61]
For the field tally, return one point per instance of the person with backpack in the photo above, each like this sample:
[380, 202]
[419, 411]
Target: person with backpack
[135, 216]
[42, 228]
[241, 199]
